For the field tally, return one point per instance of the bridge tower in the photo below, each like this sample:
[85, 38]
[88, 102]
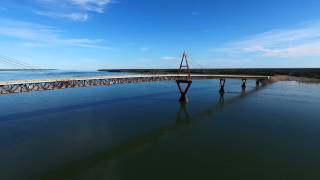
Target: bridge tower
[184, 65]
[184, 68]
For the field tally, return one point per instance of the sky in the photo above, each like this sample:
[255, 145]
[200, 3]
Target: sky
[96, 34]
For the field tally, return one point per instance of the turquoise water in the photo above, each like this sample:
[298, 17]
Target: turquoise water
[140, 131]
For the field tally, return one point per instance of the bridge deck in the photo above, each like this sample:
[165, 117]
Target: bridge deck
[169, 76]
[7, 87]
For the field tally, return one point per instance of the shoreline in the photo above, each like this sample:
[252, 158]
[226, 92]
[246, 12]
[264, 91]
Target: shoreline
[308, 75]
[277, 78]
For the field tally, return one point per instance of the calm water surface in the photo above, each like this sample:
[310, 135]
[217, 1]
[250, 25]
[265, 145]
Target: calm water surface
[140, 131]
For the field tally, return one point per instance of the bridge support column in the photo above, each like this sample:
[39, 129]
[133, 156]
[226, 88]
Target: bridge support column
[258, 83]
[183, 98]
[222, 83]
[243, 86]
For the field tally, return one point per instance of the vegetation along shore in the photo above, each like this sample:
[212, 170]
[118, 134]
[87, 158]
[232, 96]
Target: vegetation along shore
[278, 74]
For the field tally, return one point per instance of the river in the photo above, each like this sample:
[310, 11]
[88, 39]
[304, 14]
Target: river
[141, 131]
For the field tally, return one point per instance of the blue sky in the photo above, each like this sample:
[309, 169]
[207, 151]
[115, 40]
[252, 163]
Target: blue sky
[93, 34]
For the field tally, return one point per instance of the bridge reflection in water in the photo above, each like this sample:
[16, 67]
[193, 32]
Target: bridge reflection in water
[184, 119]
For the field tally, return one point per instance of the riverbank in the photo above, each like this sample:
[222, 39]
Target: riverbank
[278, 74]
[277, 78]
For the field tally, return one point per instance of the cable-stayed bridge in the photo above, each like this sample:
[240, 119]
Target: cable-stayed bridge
[13, 63]
[183, 78]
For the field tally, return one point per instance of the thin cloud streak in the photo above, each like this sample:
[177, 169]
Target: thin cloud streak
[144, 49]
[288, 43]
[194, 13]
[75, 10]
[70, 16]
[91, 5]
[43, 36]
[169, 58]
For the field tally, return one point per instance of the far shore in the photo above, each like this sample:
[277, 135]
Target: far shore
[277, 78]
[310, 75]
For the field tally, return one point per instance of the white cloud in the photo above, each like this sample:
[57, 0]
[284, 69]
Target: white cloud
[91, 5]
[75, 10]
[144, 49]
[169, 58]
[32, 34]
[304, 50]
[303, 41]
[70, 16]
[194, 13]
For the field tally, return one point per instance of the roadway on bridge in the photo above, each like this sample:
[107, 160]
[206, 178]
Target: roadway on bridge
[128, 77]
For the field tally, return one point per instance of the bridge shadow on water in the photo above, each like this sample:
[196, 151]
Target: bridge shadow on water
[184, 119]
